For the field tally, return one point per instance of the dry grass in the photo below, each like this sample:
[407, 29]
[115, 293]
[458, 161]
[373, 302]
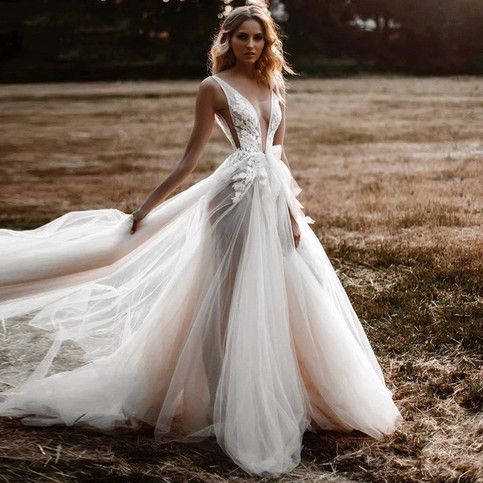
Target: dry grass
[391, 172]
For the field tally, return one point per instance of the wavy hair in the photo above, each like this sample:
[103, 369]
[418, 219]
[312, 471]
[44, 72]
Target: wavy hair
[271, 65]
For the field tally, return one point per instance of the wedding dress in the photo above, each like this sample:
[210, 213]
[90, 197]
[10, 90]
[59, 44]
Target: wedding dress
[207, 321]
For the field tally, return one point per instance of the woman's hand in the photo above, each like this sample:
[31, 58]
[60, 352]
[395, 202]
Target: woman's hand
[295, 231]
[137, 216]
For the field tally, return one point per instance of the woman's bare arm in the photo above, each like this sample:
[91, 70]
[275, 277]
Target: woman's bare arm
[200, 134]
[278, 138]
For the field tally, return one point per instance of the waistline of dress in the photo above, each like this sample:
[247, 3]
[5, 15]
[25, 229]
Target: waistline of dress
[274, 151]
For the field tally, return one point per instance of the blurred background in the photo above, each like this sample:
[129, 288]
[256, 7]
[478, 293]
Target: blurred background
[57, 40]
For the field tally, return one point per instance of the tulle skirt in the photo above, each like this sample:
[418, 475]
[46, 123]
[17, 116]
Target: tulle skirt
[207, 321]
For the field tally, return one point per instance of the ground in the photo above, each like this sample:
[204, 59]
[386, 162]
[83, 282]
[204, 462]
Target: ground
[391, 171]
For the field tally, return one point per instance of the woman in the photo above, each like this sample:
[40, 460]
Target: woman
[216, 312]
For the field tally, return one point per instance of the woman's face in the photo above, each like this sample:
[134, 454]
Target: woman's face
[247, 41]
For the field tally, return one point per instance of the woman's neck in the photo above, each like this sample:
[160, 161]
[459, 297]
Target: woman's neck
[244, 70]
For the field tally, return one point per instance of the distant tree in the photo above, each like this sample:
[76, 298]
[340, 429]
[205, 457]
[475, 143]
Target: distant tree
[316, 26]
[426, 36]
[94, 38]
[181, 27]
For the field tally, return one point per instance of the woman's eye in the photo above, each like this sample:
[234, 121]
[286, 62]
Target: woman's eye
[244, 36]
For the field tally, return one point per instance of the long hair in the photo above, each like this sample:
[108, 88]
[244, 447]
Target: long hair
[271, 65]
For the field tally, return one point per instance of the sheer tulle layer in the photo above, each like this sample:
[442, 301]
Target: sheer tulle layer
[207, 321]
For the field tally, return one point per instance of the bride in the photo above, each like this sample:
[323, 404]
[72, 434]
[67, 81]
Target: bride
[215, 312]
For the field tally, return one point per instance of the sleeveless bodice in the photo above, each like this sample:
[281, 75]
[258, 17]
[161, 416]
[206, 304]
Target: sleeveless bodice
[246, 120]
[253, 159]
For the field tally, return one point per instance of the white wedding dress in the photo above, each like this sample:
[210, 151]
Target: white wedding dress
[207, 321]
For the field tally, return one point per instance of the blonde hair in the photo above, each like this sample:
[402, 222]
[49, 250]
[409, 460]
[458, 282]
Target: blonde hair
[271, 65]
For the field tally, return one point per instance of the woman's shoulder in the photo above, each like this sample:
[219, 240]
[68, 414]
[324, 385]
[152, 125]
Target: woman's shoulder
[281, 98]
[207, 82]
[210, 91]
[209, 85]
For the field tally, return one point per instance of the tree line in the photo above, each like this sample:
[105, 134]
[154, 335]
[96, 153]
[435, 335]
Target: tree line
[120, 39]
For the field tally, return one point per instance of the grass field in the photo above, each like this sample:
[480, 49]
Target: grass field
[392, 172]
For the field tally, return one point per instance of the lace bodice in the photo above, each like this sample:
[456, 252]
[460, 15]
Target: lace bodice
[249, 161]
[246, 120]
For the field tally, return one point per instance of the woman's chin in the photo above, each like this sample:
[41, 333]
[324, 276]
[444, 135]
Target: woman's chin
[248, 60]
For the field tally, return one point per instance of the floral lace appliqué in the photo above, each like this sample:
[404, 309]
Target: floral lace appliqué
[252, 169]
[251, 161]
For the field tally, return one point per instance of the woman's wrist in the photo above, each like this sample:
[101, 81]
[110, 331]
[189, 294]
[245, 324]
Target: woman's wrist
[139, 214]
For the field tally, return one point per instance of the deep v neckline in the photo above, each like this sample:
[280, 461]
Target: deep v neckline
[264, 144]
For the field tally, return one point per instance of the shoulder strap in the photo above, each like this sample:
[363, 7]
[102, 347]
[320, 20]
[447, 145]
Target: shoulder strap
[221, 122]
